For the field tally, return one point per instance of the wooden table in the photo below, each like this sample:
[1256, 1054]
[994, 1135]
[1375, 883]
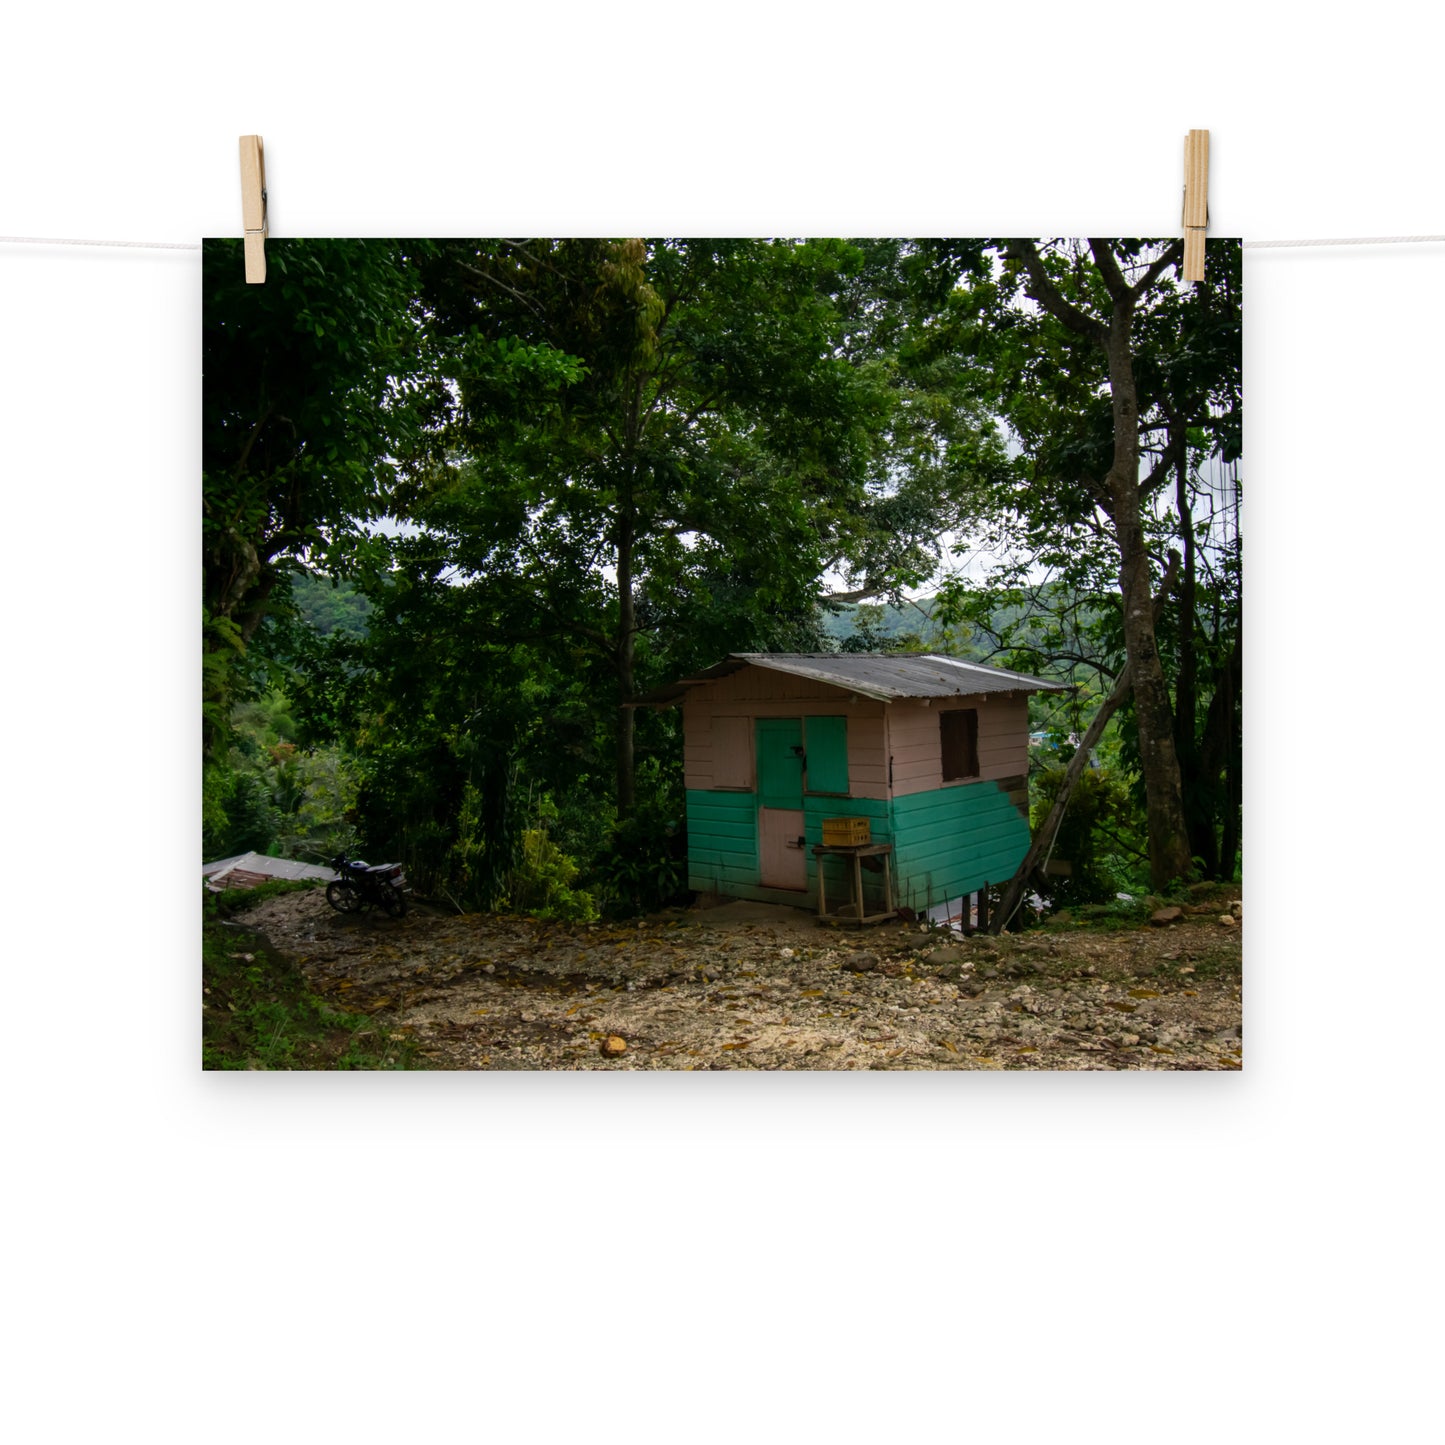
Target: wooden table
[857, 853]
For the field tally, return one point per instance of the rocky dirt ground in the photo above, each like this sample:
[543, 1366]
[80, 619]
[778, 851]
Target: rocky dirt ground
[751, 986]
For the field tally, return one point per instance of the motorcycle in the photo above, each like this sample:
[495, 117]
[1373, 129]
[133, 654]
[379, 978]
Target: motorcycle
[362, 885]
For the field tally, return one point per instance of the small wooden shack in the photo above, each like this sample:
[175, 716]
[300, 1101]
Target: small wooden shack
[933, 751]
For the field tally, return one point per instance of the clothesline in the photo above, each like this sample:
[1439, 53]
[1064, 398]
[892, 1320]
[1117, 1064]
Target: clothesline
[66, 241]
[196, 245]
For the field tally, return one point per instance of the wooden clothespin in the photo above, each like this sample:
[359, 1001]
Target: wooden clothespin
[253, 206]
[1196, 202]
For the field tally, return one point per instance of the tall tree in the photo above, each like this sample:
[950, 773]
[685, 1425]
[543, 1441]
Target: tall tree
[733, 432]
[1111, 330]
[314, 386]
[1117, 385]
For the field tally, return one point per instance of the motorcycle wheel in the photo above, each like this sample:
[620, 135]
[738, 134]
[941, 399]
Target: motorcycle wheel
[343, 896]
[394, 901]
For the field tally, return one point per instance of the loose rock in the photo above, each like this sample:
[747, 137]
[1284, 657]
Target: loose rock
[720, 995]
[1163, 917]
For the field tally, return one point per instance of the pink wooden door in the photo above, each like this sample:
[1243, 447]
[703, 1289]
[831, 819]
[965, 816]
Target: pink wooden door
[782, 861]
[782, 857]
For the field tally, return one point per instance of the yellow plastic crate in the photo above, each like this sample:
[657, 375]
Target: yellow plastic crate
[846, 832]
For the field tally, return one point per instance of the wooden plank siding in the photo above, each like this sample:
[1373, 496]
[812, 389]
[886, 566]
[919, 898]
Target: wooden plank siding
[722, 840]
[712, 740]
[948, 838]
[953, 840]
[916, 744]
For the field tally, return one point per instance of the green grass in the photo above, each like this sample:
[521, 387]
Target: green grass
[232, 901]
[1111, 917]
[258, 1013]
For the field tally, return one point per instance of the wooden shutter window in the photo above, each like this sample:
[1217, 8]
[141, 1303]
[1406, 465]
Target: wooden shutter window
[959, 730]
[732, 753]
[826, 746]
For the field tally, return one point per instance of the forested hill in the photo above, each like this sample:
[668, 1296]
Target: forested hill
[328, 605]
[982, 626]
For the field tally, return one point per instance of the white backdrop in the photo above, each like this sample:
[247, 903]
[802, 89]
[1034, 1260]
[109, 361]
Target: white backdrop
[296, 1258]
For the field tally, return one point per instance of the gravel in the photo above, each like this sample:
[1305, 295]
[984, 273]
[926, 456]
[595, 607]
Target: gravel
[752, 987]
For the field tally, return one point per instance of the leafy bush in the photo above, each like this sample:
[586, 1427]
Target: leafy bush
[646, 867]
[541, 882]
[258, 1012]
[267, 795]
[1094, 831]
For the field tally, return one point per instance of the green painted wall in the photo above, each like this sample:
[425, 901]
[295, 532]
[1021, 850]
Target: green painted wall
[722, 840]
[946, 843]
[880, 827]
[951, 841]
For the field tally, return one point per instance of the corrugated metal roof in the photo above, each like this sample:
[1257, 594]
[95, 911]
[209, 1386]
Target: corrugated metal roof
[881, 675]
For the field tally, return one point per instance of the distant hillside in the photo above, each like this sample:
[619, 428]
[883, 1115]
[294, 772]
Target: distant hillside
[328, 605]
[881, 627]
[887, 624]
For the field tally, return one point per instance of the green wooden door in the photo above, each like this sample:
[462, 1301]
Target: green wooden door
[827, 754]
[780, 762]
[782, 863]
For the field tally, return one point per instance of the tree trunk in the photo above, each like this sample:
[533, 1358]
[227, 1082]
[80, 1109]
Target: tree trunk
[1169, 856]
[625, 654]
[1198, 781]
[1219, 756]
[1013, 894]
[1008, 904]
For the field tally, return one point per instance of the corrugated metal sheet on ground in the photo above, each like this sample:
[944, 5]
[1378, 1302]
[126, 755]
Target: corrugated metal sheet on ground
[247, 869]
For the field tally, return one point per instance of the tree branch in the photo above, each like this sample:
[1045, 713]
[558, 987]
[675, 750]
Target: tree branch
[1043, 290]
[1013, 894]
[855, 596]
[1173, 253]
[502, 286]
[1108, 265]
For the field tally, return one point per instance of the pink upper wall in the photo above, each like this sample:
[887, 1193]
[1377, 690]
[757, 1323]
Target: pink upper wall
[718, 732]
[718, 728]
[1003, 740]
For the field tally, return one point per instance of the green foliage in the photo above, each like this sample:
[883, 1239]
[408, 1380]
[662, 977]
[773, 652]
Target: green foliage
[617, 462]
[270, 795]
[1118, 915]
[876, 628]
[646, 867]
[1051, 510]
[259, 1013]
[542, 882]
[1091, 835]
[330, 605]
[316, 397]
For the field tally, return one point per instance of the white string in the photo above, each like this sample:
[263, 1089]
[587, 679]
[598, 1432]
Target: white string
[1351, 241]
[66, 241]
[195, 245]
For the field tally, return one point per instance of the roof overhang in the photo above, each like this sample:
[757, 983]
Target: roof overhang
[881, 676]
